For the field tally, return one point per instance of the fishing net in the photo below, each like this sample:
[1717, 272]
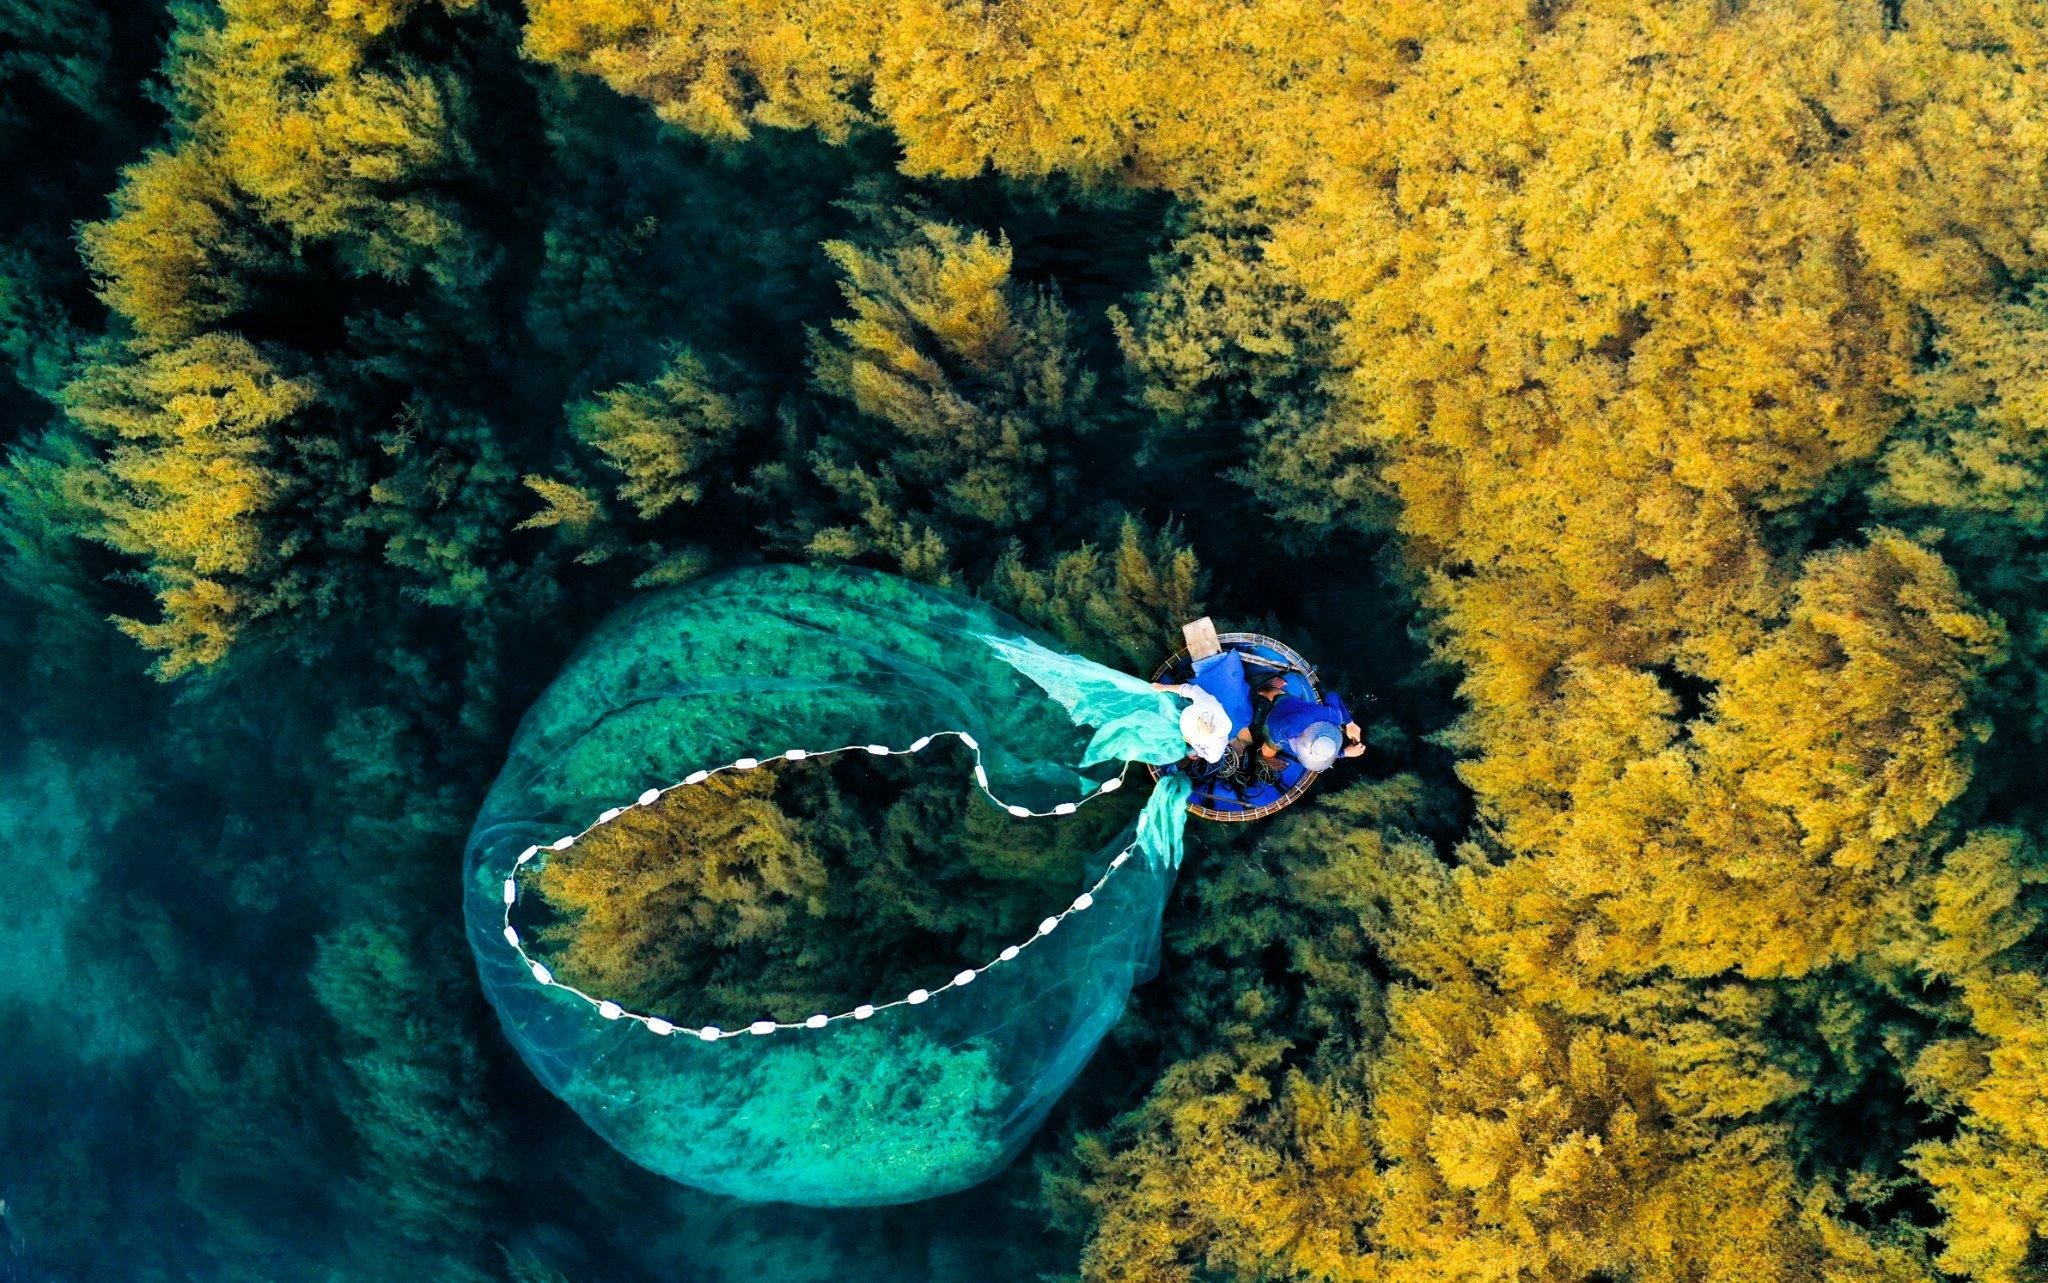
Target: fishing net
[903, 1095]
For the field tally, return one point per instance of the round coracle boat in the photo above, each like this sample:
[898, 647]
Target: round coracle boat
[1243, 786]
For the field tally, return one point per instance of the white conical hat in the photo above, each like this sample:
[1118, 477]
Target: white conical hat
[1318, 746]
[1206, 728]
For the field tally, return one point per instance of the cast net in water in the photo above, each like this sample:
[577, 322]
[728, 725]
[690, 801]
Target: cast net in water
[721, 727]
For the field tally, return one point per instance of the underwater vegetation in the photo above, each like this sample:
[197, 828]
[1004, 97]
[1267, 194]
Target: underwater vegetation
[1646, 403]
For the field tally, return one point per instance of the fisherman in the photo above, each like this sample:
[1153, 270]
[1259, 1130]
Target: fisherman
[1219, 713]
[1204, 724]
[1314, 733]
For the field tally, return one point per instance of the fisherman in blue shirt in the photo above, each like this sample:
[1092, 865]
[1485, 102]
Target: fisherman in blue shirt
[1313, 732]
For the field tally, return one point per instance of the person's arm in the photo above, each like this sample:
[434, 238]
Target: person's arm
[1354, 739]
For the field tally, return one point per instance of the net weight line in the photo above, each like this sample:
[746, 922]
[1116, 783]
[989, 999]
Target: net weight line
[660, 1026]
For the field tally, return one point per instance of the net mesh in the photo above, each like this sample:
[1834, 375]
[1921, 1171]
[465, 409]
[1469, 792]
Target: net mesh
[914, 1100]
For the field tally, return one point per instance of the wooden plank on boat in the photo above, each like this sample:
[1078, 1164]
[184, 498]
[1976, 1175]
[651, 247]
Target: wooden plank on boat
[1201, 638]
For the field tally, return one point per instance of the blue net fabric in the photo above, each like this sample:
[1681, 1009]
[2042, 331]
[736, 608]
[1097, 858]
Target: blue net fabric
[916, 1100]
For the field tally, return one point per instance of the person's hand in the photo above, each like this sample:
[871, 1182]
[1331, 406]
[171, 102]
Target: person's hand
[1354, 740]
[1355, 748]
